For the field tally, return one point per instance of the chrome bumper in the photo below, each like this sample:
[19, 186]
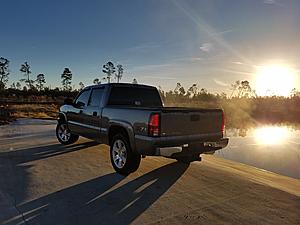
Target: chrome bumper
[217, 144]
[192, 148]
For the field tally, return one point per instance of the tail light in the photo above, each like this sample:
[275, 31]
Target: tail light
[223, 123]
[154, 125]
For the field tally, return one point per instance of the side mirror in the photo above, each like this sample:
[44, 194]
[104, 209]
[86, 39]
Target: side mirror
[79, 105]
[68, 101]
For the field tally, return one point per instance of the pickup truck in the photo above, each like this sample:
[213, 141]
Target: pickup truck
[132, 120]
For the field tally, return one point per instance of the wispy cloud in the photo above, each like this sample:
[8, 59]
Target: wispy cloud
[269, 1]
[237, 63]
[210, 31]
[144, 47]
[272, 2]
[221, 83]
[207, 47]
[222, 32]
[235, 71]
[151, 67]
[159, 77]
[188, 59]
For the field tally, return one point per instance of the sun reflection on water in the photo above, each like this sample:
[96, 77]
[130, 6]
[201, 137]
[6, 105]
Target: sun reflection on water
[271, 135]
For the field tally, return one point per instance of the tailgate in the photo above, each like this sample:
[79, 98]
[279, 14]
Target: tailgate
[186, 121]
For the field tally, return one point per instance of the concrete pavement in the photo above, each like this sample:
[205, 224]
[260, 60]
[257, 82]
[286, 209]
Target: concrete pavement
[43, 182]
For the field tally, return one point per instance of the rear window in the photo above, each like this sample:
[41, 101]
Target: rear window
[135, 96]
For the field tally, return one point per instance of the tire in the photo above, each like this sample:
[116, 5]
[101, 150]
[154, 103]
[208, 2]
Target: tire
[123, 159]
[63, 134]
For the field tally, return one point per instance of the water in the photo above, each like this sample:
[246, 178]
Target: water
[273, 148]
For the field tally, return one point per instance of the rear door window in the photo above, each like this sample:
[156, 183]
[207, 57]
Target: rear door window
[96, 97]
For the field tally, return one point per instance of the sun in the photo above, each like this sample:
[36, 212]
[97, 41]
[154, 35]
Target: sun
[274, 80]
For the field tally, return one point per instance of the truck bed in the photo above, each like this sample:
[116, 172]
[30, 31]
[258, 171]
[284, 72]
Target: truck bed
[176, 121]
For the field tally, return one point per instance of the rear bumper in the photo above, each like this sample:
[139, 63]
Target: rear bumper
[157, 145]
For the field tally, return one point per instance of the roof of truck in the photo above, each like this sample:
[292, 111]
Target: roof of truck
[119, 84]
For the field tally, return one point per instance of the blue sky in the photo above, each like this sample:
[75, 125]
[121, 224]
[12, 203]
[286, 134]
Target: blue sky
[159, 42]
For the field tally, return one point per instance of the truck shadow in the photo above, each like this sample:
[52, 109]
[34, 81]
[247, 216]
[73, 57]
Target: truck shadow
[93, 201]
[37, 153]
[14, 170]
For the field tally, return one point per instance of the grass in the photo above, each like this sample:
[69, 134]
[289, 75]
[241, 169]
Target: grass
[41, 111]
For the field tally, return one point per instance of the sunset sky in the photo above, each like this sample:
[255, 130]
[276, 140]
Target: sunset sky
[209, 42]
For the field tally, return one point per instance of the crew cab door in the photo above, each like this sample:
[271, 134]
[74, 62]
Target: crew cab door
[92, 113]
[76, 118]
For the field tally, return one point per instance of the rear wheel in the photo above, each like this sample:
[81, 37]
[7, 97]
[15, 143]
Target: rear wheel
[123, 160]
[64, 135]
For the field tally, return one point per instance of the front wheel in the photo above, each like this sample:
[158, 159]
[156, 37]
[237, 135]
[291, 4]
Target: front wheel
[122, 158]
[64, 135]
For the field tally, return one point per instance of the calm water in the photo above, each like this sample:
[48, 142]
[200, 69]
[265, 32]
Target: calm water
[273, 148]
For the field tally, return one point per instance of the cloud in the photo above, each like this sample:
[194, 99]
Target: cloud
[206, 47]
[222, 32]
[269, 2]
[151, 67]
[237, 63]
[188, 59]
[272, 2]
[159, 77]
[235, 71]
[221, 83]
[144, 47]
[195, 59]
[209, 30]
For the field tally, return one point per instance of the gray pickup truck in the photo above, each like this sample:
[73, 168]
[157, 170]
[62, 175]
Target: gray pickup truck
[132, 120]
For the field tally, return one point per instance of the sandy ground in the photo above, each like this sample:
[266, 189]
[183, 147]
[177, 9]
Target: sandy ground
[43, 182]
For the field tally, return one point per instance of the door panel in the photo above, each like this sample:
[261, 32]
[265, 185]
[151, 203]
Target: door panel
[92, 122]
[76, 116]
[92, 114]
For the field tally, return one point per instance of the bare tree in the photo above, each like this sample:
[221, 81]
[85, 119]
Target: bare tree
[120, 71]
[109, 69]
[96, 81]
[245, 90]
[67, 79]
[13, 85]
[4, 72]
[179, 90]
[294, 93]
[234, 87]
[193, 90]
[25, 68]
[81, 85]
[135, 81]
[18, 86]
[40, 79]
[242, 89]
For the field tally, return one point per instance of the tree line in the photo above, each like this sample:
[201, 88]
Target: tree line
[111, 72]
[239, 89]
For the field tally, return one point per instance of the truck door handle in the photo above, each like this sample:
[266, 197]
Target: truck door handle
[94, 113]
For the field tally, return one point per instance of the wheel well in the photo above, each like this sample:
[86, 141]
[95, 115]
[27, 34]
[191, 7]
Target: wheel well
[61, 118]
[113, 130]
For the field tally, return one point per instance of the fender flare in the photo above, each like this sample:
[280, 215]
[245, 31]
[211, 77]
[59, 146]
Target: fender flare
[129, 129]
[62, 116]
